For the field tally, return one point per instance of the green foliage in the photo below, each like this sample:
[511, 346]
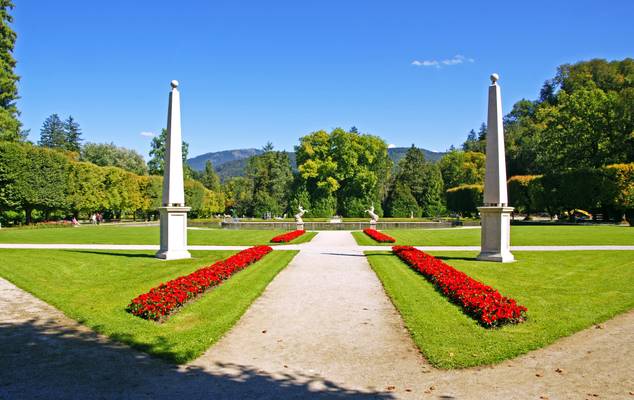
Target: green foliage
[156, 164]
[86, 191]
[579, 188]
[462, 168]
[208, 177]
[110, 155]
[520, 193]
[465, 199]
[10, 126]
[584, 118]
[52, 133]
[401, 202]
[621, 193]
[423, 181]
[343, 172]
[40, 179]
[238, 193]
[270, 175]
[72, 132]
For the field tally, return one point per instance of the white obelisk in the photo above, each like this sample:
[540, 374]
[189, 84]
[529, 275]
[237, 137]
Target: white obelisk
[496, 214]
[173, 212]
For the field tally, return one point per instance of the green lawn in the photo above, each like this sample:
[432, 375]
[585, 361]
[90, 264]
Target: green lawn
[94, 288]
[139, 235]
[520, 236]
[564, 292]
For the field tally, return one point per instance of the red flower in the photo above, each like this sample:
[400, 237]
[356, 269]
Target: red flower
[166, 298]
[483, 302]
[287, 237]
[378, 236]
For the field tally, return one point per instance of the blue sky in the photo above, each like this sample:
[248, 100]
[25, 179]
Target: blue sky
[255, 71]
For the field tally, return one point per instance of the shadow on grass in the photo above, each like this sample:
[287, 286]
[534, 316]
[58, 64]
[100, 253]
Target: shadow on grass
[40, 359]
[109, 253]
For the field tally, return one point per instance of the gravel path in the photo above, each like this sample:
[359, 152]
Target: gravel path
[323, 328]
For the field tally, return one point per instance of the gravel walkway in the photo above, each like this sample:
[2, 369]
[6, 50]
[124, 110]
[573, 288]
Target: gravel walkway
[323, 328]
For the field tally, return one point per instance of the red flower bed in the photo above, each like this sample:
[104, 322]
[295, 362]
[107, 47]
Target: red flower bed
[287, 237]
[166, 298]
[483, 302]
[378, 236]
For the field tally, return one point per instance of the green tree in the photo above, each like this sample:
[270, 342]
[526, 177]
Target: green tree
[401, 202]
[343, 172]
[52, 133]
[209, 177]
[110, 155]
[581, 131]
[462, 168]
[10, 126]
[73, 134]
[238, 192]
[271, 176]
[423, 179]
[157, 156]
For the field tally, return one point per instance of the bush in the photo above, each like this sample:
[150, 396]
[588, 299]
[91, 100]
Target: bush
[520, 193]
[465, 199]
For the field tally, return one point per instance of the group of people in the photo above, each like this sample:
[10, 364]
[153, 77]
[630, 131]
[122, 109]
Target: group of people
[96, 218]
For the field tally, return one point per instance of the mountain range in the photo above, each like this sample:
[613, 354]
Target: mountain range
[230, 163]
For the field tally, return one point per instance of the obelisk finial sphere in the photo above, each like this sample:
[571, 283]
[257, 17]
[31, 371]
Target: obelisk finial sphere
[174, 84]
[494, 78]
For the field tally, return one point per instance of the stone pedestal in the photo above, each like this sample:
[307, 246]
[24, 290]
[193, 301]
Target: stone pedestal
[173, 233]
[496, 234]
[373, 224]
[300, 226]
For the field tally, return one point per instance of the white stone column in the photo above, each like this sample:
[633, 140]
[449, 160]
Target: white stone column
[495, 215]
[173, 213]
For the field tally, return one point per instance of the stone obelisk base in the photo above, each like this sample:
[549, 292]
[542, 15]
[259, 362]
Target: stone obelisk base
[496, 234]
[173, 233]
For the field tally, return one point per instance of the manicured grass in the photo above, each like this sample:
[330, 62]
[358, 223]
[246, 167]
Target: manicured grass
[564, 235]
[564, 292]
[138, 235]
[95, 287]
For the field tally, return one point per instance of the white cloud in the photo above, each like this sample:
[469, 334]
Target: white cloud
[391, 146]
[148, 134]
[455, 60]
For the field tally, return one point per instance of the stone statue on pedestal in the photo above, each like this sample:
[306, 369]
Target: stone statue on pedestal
[298, 218]
[374, 216]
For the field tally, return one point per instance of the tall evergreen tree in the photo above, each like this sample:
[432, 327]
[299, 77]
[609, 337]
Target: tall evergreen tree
[53, 134]
[209, 178]
[73, 134]
[271, 177]
[10, 126]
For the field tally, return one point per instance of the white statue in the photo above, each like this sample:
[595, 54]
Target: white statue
[375, 218]
[300, 214]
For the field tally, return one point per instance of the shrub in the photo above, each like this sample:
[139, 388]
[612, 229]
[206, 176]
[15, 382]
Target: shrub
[465, 199]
